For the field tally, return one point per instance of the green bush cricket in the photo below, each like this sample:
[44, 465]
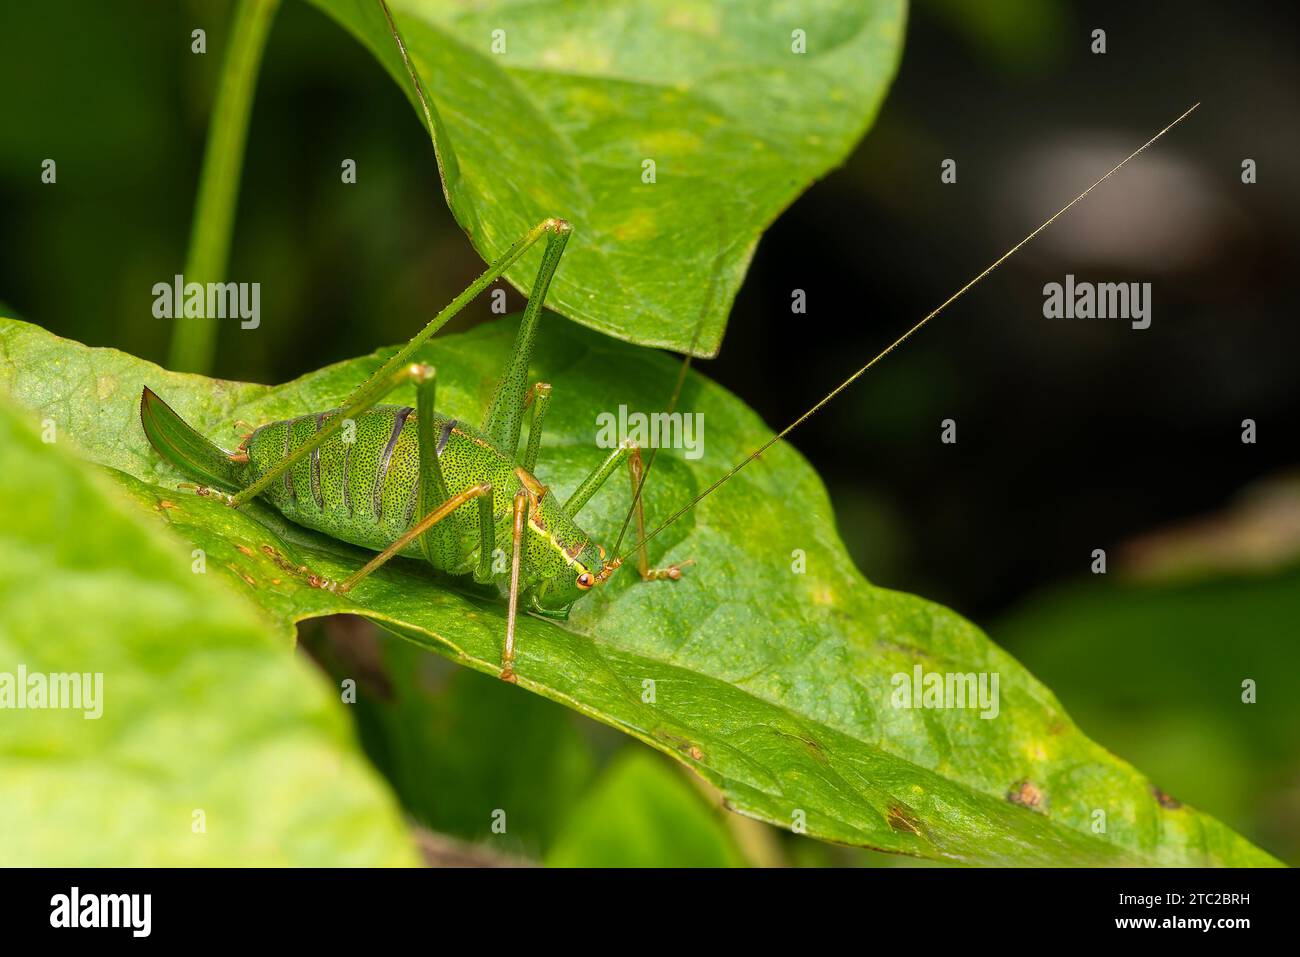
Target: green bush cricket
[409, 481]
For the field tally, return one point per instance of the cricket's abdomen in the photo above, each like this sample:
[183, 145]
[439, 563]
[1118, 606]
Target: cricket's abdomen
[366, 491]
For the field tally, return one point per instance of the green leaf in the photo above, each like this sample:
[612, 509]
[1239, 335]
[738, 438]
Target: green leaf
[642, 813]
[197, 710]
[774, 686]
[561, 122]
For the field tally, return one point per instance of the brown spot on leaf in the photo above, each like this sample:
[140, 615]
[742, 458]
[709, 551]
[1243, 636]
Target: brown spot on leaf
[679, 743]
[244, 549]
[815, 749]
[164, 504]
[244, 575]
[1165, 800]
[288, 566]
[901, 818]
[1026, 794]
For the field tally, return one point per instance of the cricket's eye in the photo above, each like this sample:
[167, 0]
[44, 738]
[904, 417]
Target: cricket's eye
[585, 581]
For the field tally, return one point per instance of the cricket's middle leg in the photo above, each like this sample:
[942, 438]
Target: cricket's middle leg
[540, 399]
[518, 525]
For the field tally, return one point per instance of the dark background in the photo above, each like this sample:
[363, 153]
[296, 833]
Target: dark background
[1071, 435]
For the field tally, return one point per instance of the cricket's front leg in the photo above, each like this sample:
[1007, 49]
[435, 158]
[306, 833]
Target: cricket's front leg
[670, 572]
[400, 369]
[589, 486]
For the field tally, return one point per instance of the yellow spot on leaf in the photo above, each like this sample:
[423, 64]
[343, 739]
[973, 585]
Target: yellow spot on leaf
[569, 53]
[668, 143]
[697, 18]
[639, 227]
[822, 593]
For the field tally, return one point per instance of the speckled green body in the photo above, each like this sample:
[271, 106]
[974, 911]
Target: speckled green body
[367, 492]
[356, 473]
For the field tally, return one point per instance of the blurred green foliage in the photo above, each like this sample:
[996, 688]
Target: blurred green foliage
[1019, 36]
[210, 746]
[457, 745]
[643, 813]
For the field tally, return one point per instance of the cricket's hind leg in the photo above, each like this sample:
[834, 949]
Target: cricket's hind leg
[364, 399]
[437, 542]
[627, 452]
[399, 368]
[505, 413]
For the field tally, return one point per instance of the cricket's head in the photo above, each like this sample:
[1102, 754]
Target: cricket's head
[587, 568]
[592, 568]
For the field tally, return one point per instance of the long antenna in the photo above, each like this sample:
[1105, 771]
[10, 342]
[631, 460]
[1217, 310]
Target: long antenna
[903, 338]
[654, 451]
[681, 377]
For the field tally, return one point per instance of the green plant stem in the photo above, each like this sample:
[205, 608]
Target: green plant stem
[193, 345]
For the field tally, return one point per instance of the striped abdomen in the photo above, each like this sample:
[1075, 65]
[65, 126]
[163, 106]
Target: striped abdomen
[365, 491]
